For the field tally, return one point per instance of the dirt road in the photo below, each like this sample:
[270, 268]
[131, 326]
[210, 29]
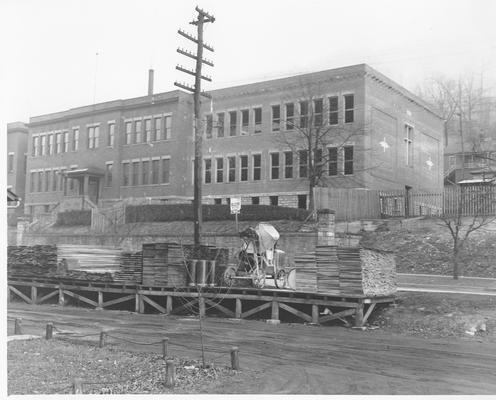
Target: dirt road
[292, 358]
[446, 284]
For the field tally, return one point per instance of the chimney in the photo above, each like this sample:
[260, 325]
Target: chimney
[150, 82]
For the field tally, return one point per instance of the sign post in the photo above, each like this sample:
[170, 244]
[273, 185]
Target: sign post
[235, 209]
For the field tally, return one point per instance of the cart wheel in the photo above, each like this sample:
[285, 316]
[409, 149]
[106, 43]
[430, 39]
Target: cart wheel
[280, 279]
[258, 279]
[229, 276]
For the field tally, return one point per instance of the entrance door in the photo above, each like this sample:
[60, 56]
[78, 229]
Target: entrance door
[93, 184]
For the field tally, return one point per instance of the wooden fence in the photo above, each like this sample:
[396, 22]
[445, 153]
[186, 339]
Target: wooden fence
[354, 204]
[104, 219]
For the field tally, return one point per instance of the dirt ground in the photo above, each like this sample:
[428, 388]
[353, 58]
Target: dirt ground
[294, 358]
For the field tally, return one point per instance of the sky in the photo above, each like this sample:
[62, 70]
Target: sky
[59, 54]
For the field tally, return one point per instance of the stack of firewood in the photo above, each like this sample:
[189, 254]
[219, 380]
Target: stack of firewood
[39, 260]
[327, 269]
[378, 272]
[306, 272]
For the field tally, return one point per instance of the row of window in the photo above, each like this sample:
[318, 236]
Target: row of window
[49, 181]
[138, 131]
[317, 112]
[285, 165]
[143, 172]
[273, 200]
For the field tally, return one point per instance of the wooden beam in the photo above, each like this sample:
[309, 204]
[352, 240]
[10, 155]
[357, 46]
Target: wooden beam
[339, 315]
[100, 299]
[34, 294]
[136, 303]
[117, 301]
[154, 304]
[369, 311]
[20, 294]
[47, 296]
[225, 310]
[256, 309]
[169, 305]
[81, 298]
[315, 314]
[61, 296]
[275, 310]
[239, 309]
[296, 312]
[201, 307]
[185, 306]
[359, 314]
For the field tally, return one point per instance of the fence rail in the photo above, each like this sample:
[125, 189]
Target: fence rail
[353, 204]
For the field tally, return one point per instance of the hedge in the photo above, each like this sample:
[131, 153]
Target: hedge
[74, 217]
[211, 212]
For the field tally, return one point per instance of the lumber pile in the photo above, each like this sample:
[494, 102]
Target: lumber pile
[350, 270]
[306, 272]
[327, 267]
[39, 260]
[89, 258]
[131, 267]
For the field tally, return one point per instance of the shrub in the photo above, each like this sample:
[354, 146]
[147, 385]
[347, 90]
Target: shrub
[211, 212]
[74, 217]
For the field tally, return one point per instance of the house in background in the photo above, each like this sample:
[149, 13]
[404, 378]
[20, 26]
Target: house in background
[141, 150]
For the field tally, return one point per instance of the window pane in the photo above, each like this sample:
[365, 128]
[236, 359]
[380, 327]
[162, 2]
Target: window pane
[165, 170]
[155, 170]
[289, 116]
[333, 161]
[258, 119]
[276, 118]
[220, 170]
[349, 108]
[274, 161]
[208, 128]
[244, 168]
[232, 168]
[303, 161]
[232, 123]
[348, 160]
[145, 172]
[220, 125]
[148, 130]
[288, 164]
[257, 167]
[208, 171]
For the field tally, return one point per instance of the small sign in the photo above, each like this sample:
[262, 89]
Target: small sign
[235, 205]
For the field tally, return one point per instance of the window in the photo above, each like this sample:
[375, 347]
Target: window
[54, 180]
[276, 118]
[349, 105]
[148, 131]
[93, 134]
[451, 162]
[348, 160]
[220, 170]
[258, 119]
[58, 146]
[155, 171]
[145, 172]
[50, 144]
[129, 132]
[245, 121]
[209, 126]
[36, 143]
[40, 181]
[274, 200]
[111, 135]
[409, 145]
[317, 112]
[220, 125]
[165, 170]
[137, 131]
[303, 114]
[333, 161]
[217, 201]
[244, 168]
[135, 175]
[32, 181]
[274, 165]
[208, 170]
[47, 181]
[167, 134]
[231, 165]
[108, 174]
[289, 116]
[288, 164]
[125, 174]
[43, 145]
[255, 200]
[75, 139]
[232, 123]
[157, 128]
[257, 167]
[10, 162]
[302, 201]
[65, 142]
[333, 110]
[303, 161]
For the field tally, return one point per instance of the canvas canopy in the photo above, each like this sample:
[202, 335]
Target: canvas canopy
[267, 236]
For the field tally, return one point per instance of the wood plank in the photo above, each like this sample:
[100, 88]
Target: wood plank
[217, 305]
[296, 312]
[20, 294]
[34, 294]
[359, 315]
[369, 311]
[154, 304]
[81, 298]
[117, 301]
[239, 309]
[339, 315]
[275, 310]
[256, 309]
[185, 306]
[48, 296]
[168, 305]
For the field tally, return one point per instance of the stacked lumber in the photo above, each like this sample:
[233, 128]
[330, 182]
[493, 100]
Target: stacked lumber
[350, 270]
[154, 264]
[39, 260]
[327, 269]
[131, 268]
[177, 273]
[88, 276]
[90, 258]
[378, 272]
[306, 272]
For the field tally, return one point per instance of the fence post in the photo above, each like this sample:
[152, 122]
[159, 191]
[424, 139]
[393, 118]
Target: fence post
[102, 339]
[17, 327]
[165, 347]
[49, 331]
[171, 373]
[235, 358]
[77, 386]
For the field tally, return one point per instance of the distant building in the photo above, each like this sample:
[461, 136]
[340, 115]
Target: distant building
[17, 144]
[141, 149]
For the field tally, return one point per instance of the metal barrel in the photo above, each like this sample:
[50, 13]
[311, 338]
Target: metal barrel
[211, 273]
[201, 272]
[192, 272]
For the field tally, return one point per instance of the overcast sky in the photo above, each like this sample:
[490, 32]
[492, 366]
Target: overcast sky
[50, 62]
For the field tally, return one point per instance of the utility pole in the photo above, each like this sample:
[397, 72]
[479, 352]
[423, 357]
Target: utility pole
[202, 18]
